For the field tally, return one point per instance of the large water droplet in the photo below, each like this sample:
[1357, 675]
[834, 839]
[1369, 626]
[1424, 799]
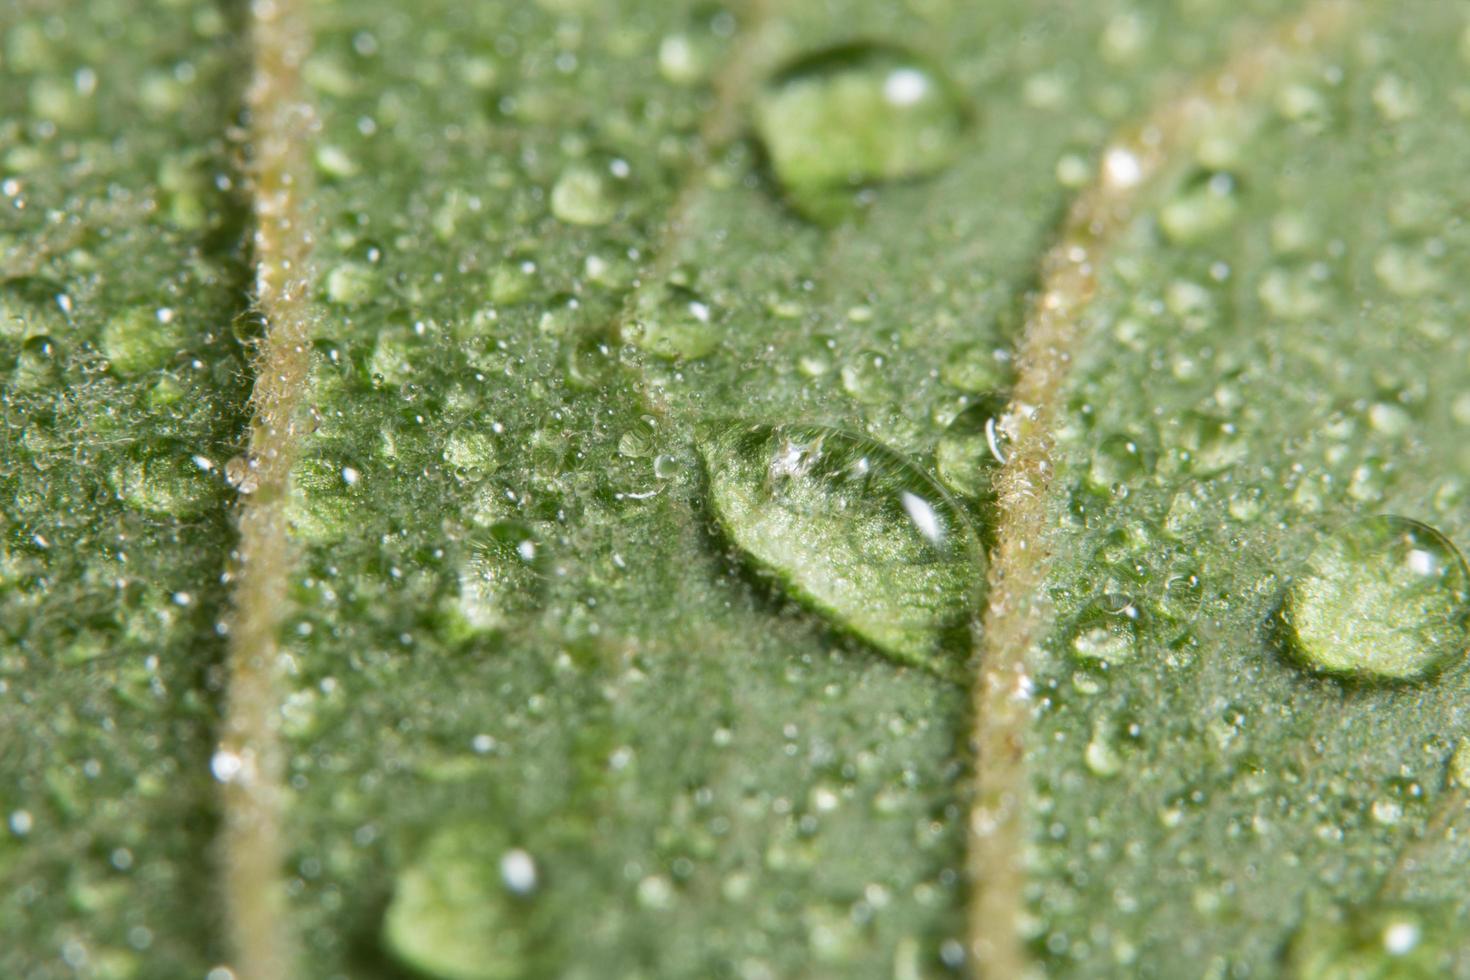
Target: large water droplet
[1392, 940]
[591, 191]
[853, 530]
[453, 913]
[140, 338]
[853, 115]
[972, 447]
[499, 579]
[1381, 598]
[673, 322]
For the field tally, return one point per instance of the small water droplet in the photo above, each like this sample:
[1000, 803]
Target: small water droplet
[852, 529]
[140, 338]
[1105, 633]
[1119, 460]
[499, 578]
[866, 378]
[1205, 204]
[856, 114]
[1383, 598]
[591, 191]
[513, 281]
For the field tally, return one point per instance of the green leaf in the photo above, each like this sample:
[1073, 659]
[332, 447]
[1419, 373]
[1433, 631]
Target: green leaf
[553, 694]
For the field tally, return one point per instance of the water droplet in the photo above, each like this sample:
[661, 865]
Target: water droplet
[1459, 770]
[673, 322]
[513, 281]
[866, 379]
[1205, 204]
[140, 338]
[1294, 293]
[321, 507]
[453, 913]
[972, 446]
[591, 191]
[1207, 445]
[852, 529]
[1405, 270]
[1101, 758]
[499, 578]
[852, 115]
[687, 57]
[1389, 940]
[163, 480]
[1105, 633]
[1119, 460]
[471, 452]
[976, 368]
[351, 283]
[1381, 598]
[815, 359]
[31, 306]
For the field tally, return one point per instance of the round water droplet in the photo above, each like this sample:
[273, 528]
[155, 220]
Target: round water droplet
[1119, 460]
[1205, 204]
[866, 378]
[853, 115]
[140, 338]
[500, 577]
[32, 306]
[1393, 941]
[853, 530]
[1106, 632]
[351, 283]
[321, 506]
[453, 913]
[976, 368]
[591, 191]
[1384, 598]
[673, 322]
[513, 281]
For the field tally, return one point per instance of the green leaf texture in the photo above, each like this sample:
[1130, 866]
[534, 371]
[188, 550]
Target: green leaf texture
[555, 699]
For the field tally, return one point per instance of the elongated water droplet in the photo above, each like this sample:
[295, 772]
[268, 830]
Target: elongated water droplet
[851, 529]
[1381, 598]
[852, 115]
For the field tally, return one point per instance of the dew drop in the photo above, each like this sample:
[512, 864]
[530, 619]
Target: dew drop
[500, 578]
[1105, 633]
[591, 191]
[972, 446]
[32, 306]
[163, 480]
[1392, 939]
[851, 529]
[866, 378]
[852, 115]
[453, 913]
[1383, 598]
[140, 338]
[1204, 205]
[351, 283]
[672, 322]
